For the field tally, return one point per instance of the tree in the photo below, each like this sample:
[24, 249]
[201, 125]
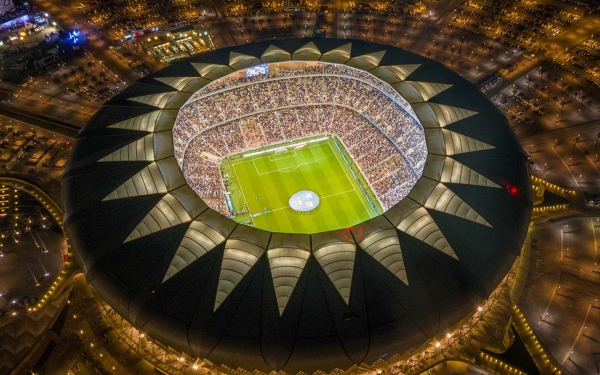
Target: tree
[94, 79]
[56, 81]
[65, 76]
[74, 74]
[102, 75]
[90, 65]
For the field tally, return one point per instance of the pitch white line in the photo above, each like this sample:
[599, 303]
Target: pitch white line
[275, 158]
[343, 166]
[595, 241]
[242, 191]
[325, 197]
[286, 169]
[333, 195]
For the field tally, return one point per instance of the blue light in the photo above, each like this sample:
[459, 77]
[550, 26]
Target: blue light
[74, 37]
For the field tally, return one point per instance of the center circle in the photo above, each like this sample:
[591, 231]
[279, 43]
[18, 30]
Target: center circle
[249, 139]
[304, 201]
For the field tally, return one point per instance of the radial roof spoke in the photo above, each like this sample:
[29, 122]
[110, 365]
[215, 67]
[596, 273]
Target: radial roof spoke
[147, 181]
[148, 122]
[139, 150]
[425, 90]
[287, 256]
[241, 254]
[380, 240]
[446, 169]
[335, 252]
[239, 61]
[155, 100]
[188, 84]
[458, 173]
[199, 239]
[445, 200]
[394, 73]
[168, 212]
[307, 52]
[366, 62]
[457, 143]
[275, 54]
[434, 115]
[176, 207]
[413, 219]
[338, 55]
[212, 71]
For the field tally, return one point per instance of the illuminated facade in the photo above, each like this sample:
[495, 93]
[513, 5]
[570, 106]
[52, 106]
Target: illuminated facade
[242, 297]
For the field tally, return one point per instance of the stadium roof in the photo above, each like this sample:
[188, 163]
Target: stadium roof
[243, 297]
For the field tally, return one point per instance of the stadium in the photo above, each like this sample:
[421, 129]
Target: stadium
[299, 206]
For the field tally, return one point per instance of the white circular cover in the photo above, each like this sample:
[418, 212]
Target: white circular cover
[304, 201]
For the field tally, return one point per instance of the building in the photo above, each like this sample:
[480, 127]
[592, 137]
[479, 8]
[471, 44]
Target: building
[197, 282]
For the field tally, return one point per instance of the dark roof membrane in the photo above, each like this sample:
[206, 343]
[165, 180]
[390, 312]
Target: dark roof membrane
[317, 330]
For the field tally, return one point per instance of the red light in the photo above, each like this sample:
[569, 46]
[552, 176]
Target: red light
[513, 190]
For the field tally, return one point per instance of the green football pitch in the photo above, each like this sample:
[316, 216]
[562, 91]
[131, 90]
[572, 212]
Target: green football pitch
[265, 183]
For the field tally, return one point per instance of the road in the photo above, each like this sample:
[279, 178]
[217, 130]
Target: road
[53, 108]
[561, 133]
[33, 120]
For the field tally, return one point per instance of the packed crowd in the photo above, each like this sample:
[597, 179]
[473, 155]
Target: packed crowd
[242, 114]
[375, 155]
[301, 69]
[221, 106]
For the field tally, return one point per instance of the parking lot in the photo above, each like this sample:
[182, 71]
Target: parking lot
[555, 117]
[33, 152]
[561, 297]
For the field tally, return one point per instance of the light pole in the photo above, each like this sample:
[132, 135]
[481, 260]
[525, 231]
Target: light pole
[44, 245]
[46, 273]
[34, 241]
[37, 283]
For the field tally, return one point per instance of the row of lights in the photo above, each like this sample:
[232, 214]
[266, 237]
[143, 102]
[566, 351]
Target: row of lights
[535, 340]
[44, 199]
[53, 288]
[551, 208]
[552, 186]
[449, 335]
[501, 364]
[55, 285]
[46, 202]
[48, 294]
